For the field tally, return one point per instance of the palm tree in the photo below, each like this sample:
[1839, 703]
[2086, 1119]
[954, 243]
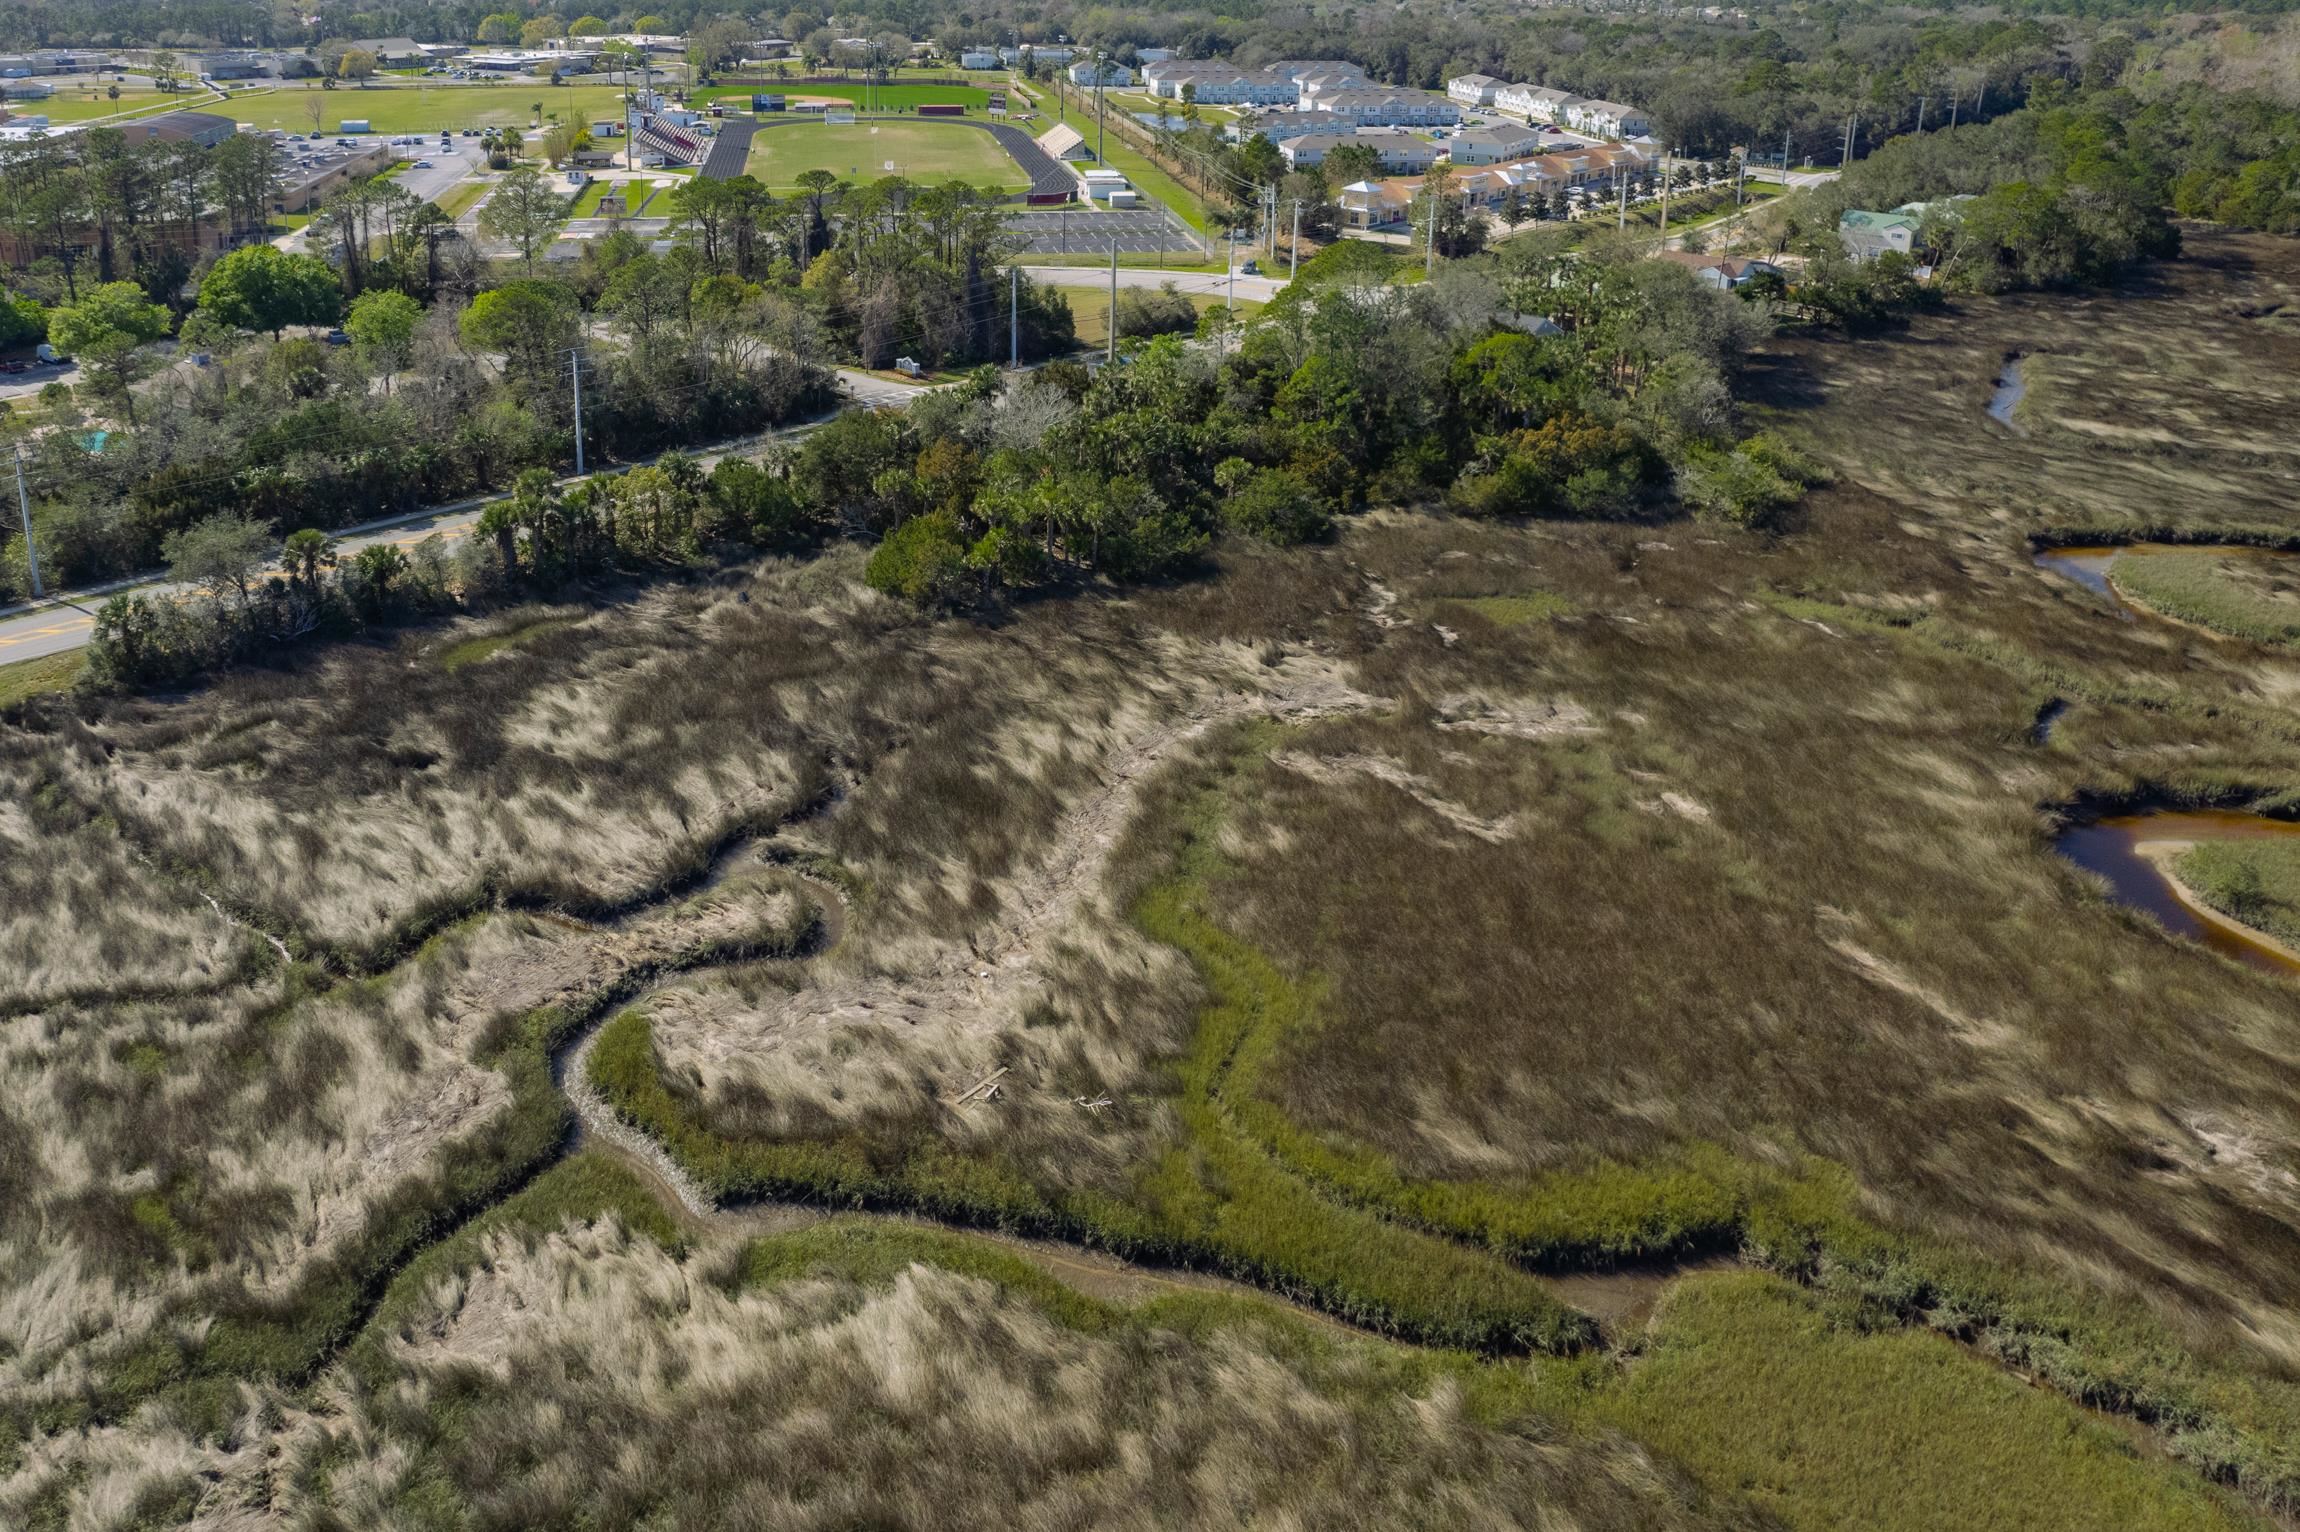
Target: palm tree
[305, 554]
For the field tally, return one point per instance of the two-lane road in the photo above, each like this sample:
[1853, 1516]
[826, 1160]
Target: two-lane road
[69, 621]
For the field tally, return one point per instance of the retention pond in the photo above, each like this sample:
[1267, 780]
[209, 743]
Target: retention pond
[2134, 853]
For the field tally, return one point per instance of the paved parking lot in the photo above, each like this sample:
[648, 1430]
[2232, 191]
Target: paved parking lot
[1139, 231]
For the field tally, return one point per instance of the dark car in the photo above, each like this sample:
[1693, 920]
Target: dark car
[338, 338]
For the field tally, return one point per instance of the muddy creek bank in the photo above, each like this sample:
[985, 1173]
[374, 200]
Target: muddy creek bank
[2134, 852]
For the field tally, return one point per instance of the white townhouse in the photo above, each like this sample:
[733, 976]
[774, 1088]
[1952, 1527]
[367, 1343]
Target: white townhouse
[1491, 146]
[1303, 69]
[1216, 84]
[1401, 153]
[1608, 119]
[1474, 89]
[1392, 108]
[1535, 103]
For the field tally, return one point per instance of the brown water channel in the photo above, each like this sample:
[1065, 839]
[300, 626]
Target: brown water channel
[2131, 851]
[2088, 566]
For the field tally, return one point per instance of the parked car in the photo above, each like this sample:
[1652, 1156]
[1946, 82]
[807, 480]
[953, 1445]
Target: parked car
[49, 354]
[337, 338]
[423, 164]
[15, 366]
[1250, 269]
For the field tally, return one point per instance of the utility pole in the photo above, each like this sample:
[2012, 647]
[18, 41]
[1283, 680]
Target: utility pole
[1112, 354]
[1014, 317]
[1270, 219]
[1921, 100]
[24, 509]
[1099, 66]
[1621, 219]
[575, 371]
[1846, 158]
[1429, 254]
[1664, 199]
[1294, 245]
[1784, 159]
[1231, 230]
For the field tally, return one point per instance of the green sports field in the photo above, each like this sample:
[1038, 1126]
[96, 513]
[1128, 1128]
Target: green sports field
[423, 108]
[894, 97]
[76, 105]
[925, 151]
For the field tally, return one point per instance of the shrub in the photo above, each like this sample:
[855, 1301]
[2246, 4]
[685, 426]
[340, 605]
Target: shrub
[1164, 311]
[1277, 507]
[921, 561]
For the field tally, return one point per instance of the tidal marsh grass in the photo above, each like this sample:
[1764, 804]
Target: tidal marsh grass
[2243, 595]
[854, 1374]
[2256, 882]
[1716, 908]
[2123, 434]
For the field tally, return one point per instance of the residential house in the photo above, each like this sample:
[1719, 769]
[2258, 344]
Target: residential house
[1490, 146]
[1724, 272]
[1153, 55]
[1042, 53]
[1086, 72]
[1474, 89]
[1607, 119]
[1866, 235]
[27, 90]
[1401, 153]
[978, 58]
[1392, 108]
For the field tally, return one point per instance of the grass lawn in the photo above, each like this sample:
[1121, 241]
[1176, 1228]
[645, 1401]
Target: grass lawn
[587, 203]
[48, 673]
[423, 108]
[884, 98]
[1147, 178]
[457, 199]
[922, 151]
[1090, 309]
[78, 106]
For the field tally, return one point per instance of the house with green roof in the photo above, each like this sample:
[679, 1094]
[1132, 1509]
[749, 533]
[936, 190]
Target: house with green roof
[1867, 235]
